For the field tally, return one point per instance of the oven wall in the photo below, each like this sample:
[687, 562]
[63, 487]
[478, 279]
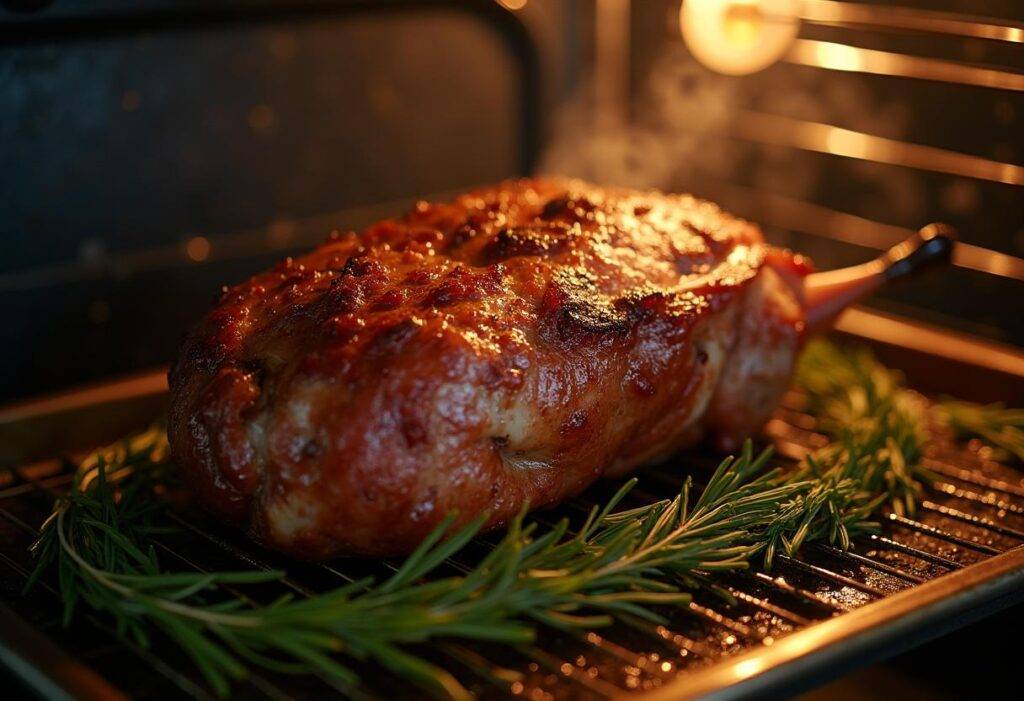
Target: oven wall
[154, 151]
[685, 127]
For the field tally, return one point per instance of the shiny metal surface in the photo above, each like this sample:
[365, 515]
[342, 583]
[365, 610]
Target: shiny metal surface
[813, 617]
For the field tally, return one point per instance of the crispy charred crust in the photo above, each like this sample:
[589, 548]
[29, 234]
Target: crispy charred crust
[574, 307]
[526, 241]
[512, 345]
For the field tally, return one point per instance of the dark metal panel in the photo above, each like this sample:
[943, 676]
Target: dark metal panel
[131, 127]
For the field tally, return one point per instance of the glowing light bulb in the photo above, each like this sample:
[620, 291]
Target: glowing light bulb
[737, 37]
[743, 24]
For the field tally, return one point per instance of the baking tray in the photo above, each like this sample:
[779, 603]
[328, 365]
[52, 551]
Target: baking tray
[739, 656]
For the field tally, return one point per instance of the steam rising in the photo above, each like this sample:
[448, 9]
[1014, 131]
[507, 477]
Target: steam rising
[677, 138]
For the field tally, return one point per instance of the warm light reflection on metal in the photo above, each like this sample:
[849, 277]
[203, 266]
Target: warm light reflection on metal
[748, 668]
[737, 37]
[966, 255]
[908, 19]
[842, 57]
[826, 138]
[301, 233]
[919, 608]
[512, 4]
[783, 212]
[886, 328]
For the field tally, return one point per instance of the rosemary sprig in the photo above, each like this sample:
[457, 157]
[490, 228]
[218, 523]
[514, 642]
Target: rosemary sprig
[100, 539]
[994, 423]
[877, 431]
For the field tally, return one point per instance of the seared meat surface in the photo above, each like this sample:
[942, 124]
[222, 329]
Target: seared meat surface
[512, 346]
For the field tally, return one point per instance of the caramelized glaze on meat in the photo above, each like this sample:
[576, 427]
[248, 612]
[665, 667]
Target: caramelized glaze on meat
[510, 347]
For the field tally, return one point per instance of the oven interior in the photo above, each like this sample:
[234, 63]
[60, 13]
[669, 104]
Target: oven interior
[761, 634]
[154, 151]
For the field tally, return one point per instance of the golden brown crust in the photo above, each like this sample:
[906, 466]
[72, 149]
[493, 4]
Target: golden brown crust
[513, 345]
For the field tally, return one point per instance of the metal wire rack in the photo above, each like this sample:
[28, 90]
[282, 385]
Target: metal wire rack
[957, 78]
[959, 558]
[972, 514]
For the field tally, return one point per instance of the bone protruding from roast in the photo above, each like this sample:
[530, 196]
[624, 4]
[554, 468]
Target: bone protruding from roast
[828, 293]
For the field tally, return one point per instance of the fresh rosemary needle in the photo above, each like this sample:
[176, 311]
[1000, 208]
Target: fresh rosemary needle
[877, 432]
[101, 539]
[993, 423]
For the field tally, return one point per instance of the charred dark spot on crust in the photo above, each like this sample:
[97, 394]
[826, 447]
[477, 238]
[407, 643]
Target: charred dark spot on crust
[343, 297]
[702, 356]
[555, 207]
[361, 266]
[642, 303]
[499, 441]
[474, 224]
[576, 421]
[254, 371]
[524, 241]
[572, 208]
[572, 305]
[641, 210]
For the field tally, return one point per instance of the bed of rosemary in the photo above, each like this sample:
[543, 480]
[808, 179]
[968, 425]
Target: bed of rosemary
[100, 542]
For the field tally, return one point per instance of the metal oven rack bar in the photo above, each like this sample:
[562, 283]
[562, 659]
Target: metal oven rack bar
[813, 616]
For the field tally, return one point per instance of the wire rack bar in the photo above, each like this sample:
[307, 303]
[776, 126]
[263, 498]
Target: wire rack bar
[890, 544]
[962, 474]
[978, 521]
[835, 56]
[872, 563]
[828, 574]
[727, 628]
[908, 19]
[941, 534]
[987, 500]
[804, 595]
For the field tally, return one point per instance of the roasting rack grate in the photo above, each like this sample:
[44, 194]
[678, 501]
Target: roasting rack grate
[959, 559]
[961, 554]
[869, 112]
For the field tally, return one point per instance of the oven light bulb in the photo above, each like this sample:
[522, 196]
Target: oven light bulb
[737, 37]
